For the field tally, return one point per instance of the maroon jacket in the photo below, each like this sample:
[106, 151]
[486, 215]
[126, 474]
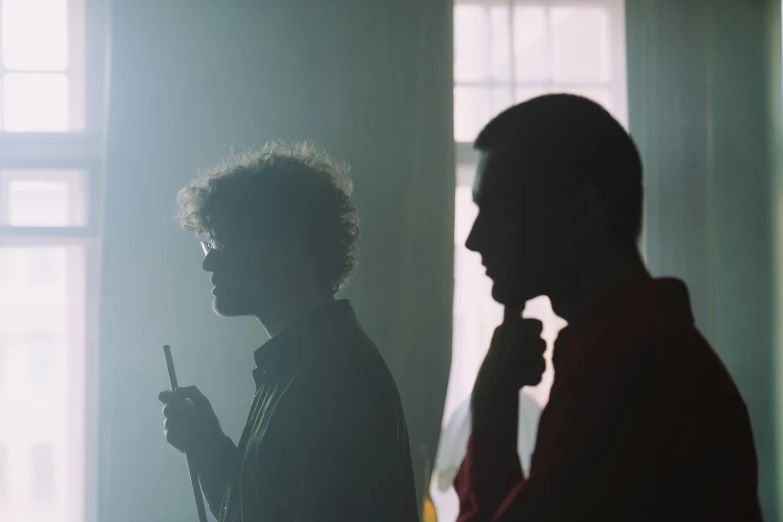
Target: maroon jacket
[643, 423]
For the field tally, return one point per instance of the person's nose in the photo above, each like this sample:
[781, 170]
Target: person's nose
[473, 243]
[211, 261]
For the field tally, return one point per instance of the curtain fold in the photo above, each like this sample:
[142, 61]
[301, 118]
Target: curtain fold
[372, 81]
[704, 92]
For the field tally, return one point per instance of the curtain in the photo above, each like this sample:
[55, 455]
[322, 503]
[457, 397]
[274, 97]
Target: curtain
[704, 107]
[372, 81]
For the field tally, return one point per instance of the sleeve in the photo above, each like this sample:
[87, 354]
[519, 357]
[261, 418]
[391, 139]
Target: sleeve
[316, 460]
[491, 468]
[214, 470]
[596, 445]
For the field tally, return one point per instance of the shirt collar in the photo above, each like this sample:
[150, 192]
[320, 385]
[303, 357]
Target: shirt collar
[637, 309]
[285, 351]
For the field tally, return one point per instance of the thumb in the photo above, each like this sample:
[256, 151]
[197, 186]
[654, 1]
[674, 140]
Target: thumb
[194, 394]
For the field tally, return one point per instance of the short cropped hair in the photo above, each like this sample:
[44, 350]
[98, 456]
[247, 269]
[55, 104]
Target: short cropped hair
[285, 188]
[577, 142]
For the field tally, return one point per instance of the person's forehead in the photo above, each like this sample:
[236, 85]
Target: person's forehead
[500, 172]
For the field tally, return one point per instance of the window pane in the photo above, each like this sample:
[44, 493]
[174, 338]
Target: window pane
[42, 349]
[3, 472]
[597, 94]
[42, 461]
[42, 468]
[471, 43]
[580, 44]
[2, 364]
[44, 266]
[530, 45]
[472, 110]
[466, 174]
[502, 99]
[34, 35]
[522, 94]
[42, 198]
[35, 102]
[38, 203]
[500, 27]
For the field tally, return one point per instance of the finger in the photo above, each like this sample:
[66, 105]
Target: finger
[534, 347]
[174, 398]
[526, 331]
[532, 327]
[532, 380]
[194, 394]
[526, 357]
[175, 410]
[170, 424]
[532, 372]
[175, 438]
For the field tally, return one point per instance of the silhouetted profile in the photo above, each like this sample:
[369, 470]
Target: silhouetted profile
[325, 439]
[643, 420]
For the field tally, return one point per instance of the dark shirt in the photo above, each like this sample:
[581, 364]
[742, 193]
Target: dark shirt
[326, 439]
[643, 423]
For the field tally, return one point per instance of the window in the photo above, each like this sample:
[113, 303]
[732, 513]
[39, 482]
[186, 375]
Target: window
[508, 51]
[41, 73]
[43, 197]
[43, 356]
[505, 52]
[2, 362]
[3, 473]
[51, 99]
[43, 473]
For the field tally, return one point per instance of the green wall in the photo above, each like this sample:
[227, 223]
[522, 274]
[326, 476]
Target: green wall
[704, 106]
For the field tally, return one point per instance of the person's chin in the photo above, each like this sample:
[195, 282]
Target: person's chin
[224, 306]
[511, 295]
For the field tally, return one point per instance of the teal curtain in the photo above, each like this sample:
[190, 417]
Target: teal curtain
[704, 96]
[372, 81]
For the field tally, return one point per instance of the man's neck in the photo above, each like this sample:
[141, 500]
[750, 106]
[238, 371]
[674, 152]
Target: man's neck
[289, 311]
[598, 282]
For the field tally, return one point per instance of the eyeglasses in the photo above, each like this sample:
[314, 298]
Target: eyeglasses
[209, 245]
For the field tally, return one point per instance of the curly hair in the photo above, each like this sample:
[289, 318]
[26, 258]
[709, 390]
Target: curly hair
[295, 186]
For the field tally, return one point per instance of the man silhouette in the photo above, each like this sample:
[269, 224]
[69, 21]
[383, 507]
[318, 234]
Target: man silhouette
[325, 439]
[643, 420]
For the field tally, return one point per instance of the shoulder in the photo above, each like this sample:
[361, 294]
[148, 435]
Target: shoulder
[347, 382]
[678, 366]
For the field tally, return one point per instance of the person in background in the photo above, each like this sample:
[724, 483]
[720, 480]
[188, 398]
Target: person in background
[643, 422]
[326, 438]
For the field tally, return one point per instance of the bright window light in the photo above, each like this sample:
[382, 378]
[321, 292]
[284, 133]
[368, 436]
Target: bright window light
[580, 44]
[35, 102]
[43, 198]
[38, 203]
[471, 50]
[37, 351]
[34, 35]
[531, 63]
